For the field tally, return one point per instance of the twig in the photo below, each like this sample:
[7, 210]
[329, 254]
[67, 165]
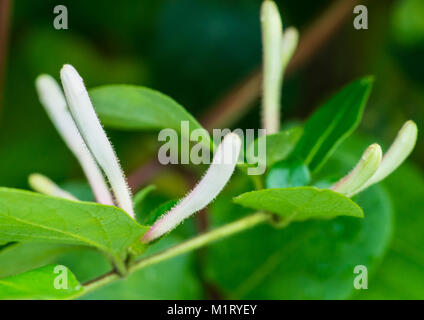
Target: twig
[189, 245]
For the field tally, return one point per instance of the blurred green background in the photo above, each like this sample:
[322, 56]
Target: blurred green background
[195, 51]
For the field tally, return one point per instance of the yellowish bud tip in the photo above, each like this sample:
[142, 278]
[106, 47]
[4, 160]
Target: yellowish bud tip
[363, 171]
[43, 184]
[400, 149]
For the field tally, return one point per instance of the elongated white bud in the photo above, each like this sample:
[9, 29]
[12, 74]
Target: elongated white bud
[363, 171]
[272, 40]
[289, 45]
[216, 177]
[42, 184]
[93, 134]
[400, 149]
[53, 101]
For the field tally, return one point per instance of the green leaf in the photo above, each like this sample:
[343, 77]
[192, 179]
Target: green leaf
[40, 284]
[288, 173]
[278, 146]
[333, 122]
[138, 108]
[300, 203]
[23, 256]
[29, 216]
[314, 259]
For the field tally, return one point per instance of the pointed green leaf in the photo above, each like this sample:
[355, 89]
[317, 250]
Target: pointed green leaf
[29, 216]
[300, 203]
[50, 282]
[333, 122]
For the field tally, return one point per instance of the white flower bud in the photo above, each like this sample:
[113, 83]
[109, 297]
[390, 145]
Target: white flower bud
[363, 171]
[42, 184]
[53, 101]
[272, 41]
[400, 149]
[216, 177]
[95, 137]
[289, 45]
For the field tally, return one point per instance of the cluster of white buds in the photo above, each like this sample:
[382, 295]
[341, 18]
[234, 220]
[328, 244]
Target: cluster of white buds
[373, 167]
[77, 123]
[53, 100]
[76, 120]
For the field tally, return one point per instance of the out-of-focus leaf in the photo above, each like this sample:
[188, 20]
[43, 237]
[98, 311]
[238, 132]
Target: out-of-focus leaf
[401, 273]
[85, 263]
[41, 283]
[28, 216]
[23, 256]
[288, 173]
[314, 259]
[408, 25]
[333, 122]
[94, 65]
[278, 146]
[300, 203]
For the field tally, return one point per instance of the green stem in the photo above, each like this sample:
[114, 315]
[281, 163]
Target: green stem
[189, 245]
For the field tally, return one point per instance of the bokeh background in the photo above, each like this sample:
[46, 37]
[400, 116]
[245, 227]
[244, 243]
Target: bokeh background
[198, 52]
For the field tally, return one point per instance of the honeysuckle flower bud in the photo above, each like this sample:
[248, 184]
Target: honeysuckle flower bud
[95, 137]
[363, 171]
[42, 184]
[53, 101]
[216, 177]
[400, 149]
[278, 48]
[289, 45]
[272, 40]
